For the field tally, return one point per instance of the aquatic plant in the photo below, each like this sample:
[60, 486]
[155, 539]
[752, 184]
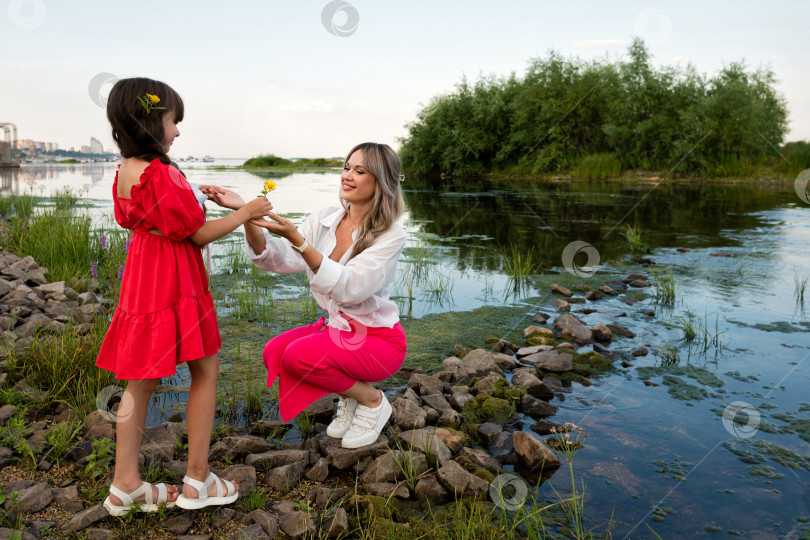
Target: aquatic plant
[668, 354]
[598, 166]
[800, 286]
[664, 284]
[632, 234]
[518, 264]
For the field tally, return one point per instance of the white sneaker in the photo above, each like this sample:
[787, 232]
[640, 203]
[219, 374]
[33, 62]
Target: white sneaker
[367, 424]
[343, 420]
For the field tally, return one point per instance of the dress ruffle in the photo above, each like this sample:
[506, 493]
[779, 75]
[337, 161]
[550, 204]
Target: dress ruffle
[150, 345]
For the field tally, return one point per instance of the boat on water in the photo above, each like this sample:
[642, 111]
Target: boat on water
[208, 159]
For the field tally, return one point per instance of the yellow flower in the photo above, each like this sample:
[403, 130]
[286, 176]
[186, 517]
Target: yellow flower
[269, 186]
[153, 98]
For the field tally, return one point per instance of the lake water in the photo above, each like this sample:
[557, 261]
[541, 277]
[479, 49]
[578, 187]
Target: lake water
[660, 455]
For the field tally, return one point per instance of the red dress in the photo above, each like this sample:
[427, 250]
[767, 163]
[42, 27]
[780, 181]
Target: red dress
[166, 313]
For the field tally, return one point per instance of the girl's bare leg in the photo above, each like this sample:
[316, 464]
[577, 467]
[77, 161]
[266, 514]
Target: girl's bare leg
[202, 399]
[364, 393]
[131, 417]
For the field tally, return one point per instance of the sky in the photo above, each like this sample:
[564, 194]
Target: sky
[312, 78]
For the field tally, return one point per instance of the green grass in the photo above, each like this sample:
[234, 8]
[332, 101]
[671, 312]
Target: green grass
[305, 424]
[632, 235]
[255, 500]
[667, 354]
[664, 285]
[598, 166]
[60, 437]
[64, 199]
[800, 286]
[518, 263]
[697, 331]
[64, 365]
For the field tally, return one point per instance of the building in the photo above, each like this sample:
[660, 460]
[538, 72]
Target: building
[95, 146]
[85, 149]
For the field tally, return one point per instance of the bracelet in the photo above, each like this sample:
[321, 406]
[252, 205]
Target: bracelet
[316, 266]
[302, 247]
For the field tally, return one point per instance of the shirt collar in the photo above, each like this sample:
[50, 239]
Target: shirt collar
[333, 218]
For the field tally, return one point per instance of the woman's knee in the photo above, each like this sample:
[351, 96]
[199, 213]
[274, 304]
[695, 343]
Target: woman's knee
[205, 367]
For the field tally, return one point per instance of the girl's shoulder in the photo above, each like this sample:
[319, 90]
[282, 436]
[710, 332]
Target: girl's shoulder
[133, 172]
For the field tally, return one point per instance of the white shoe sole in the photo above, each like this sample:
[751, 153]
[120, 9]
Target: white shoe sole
[188, 503]
[372, 436]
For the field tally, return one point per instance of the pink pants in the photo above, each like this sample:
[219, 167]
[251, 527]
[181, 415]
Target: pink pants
[315, 360]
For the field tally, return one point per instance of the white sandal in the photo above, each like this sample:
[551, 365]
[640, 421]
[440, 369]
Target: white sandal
[202, 499]
[144, 506]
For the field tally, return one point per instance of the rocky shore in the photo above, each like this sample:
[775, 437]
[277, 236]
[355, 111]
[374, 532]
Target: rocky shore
[451, 433]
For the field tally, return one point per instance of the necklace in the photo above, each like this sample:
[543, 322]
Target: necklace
[348, 221]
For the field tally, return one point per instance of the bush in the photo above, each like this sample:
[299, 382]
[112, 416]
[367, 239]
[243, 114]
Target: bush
[268, 160]
[598, 166]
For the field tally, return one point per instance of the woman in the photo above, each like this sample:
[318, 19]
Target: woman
[350, 255]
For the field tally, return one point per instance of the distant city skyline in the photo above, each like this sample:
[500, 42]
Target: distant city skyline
[311, 79]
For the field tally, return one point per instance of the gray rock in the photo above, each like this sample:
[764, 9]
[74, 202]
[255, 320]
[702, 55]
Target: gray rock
[533, 385]
[488, 430]
[458, 399]
[528, 351]
[51, 288]
[344, 458]
[605, 289]
[560, 305]
[504, 361]
[385, 489]
[6, 533]
[335, 523]
[386, 468]
[479, 363]
[447, 415]
[247, 444]
[641, 351]
[559, 289]
[68, 499]
[425, 384]
[536, 408]
[532, 453]
[179, 523]
[243, 475]
[251, 532]
[277, 458]
[322, 409]
[408, 415]
[616, 329]
[97, 533]
[320, 471]
[572, 329]
[6, 412]
[265, 427]
[324, 497]
[430, 490]
[593, 295]
[85, 518]
[552, 361]
[296, 524]
[87, 298]
[34, 498]
[602, 333]
[487, 384]
[267, 521]
[285, 477]
[503, 449]
[457, 480]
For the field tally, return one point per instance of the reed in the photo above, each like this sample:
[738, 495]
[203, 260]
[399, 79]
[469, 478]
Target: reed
[800, 284]
[632, 235]
[664, 284]
[518, 264]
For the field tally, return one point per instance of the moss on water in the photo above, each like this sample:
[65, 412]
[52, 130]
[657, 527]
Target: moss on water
[783, 456]
[764, 470]
[679, 389]
[700, 374]
[431, 338]
[802, 427]
[740, 449]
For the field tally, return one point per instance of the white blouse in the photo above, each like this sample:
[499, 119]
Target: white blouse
[358, 287]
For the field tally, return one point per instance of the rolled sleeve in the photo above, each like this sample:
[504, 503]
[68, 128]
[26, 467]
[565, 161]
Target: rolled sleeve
[278, 256]
[327, 277]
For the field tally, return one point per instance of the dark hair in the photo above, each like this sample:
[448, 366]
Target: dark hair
[136, 133]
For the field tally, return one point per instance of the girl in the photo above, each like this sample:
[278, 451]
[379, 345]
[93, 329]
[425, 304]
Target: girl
[350, 254]
[165, 315]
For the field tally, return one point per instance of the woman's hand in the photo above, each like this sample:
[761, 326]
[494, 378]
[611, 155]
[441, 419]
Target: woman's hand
[258, 208]
[280, 226]
[223, 197]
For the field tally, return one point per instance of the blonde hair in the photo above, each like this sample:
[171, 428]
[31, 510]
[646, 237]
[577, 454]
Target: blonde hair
[383, 162]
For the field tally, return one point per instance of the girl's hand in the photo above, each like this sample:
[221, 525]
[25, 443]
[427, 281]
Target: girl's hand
[280, 226]
[223, 197]
[258, 208]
